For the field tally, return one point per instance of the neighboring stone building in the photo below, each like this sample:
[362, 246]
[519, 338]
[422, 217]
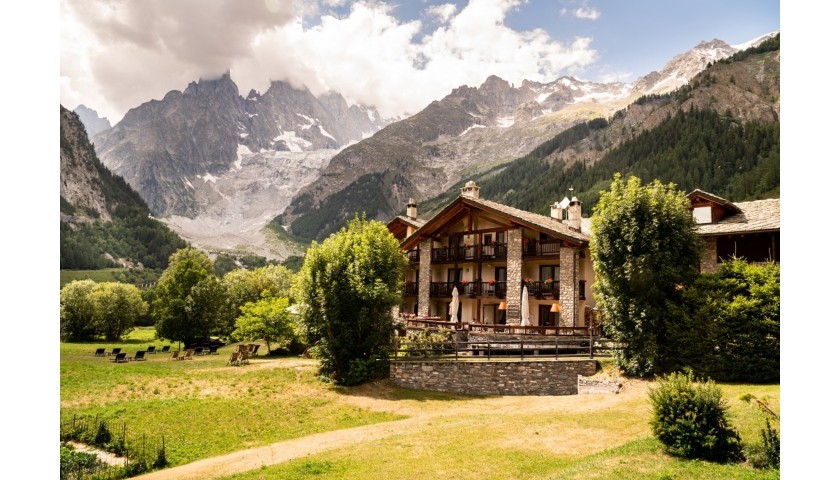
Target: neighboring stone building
[489, 251]
[748, 230]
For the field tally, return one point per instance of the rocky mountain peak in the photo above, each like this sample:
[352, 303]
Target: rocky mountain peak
[91, 120]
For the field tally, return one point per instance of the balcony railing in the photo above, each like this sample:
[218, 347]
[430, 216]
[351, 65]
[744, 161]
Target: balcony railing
[541, 247]
[410, 289]
[473, 289]
[543, 289]
[413, 255]
[469, 253]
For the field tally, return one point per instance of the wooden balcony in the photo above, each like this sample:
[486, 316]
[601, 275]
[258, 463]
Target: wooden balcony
[413, 255]
[543, 289]
[410, 289]
[469, 253]
[538, 248]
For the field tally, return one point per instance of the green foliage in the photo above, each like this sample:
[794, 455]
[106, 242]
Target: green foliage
[293, 263]
[735, 329]
[189, 299]
[73, 462]
[426, 342]
[77, 311]
[347, 288]
[116, 308]
[243, 286]
[223, 264]
[268, 319]
[644, 250]
[691, 420]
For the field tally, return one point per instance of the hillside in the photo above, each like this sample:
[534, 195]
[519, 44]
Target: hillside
[468, 133]
[719, 133]
[104, 223]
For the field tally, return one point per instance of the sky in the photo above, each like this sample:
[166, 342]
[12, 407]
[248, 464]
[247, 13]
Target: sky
[396, 55]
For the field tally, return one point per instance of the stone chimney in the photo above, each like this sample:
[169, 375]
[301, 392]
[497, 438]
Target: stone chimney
[411, 210]
[470, 190]
[574, 214]
[556, 211]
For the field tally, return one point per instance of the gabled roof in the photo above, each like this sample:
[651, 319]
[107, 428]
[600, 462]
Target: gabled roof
[414, 222]
[698, 194]
[752, 217]
[541, 223]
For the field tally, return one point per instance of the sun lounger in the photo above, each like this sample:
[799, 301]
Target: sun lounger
[199, 350]
[119, 358]
[214, 350]
[140, 355]
[234, 358]
[174, 355]
[165, 349]
[187, 355]
[151, 349]
[100, 352]
[115, 351]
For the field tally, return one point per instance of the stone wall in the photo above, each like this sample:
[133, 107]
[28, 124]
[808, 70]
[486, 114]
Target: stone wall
[514, 276]
[549, 377]
[423, 289]
[708, 258]
[568, 286]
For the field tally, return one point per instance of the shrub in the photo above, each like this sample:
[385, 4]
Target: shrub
[766, 454]
[691, 420]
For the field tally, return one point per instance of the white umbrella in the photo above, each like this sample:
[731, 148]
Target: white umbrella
[453, 306]
[526, 314]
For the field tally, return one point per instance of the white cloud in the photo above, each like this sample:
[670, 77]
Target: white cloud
[587, 13]
[442, 12]
[115, 56]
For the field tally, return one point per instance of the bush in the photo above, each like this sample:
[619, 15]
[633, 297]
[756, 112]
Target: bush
[691, 420]
[766, 454]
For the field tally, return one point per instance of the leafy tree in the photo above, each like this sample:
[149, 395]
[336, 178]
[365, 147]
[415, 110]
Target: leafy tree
[737, 335]
[77, 311]
[116, 307]
[347, 288]
[245, 286]
[187, 298]
[645, 249]
[268, 319]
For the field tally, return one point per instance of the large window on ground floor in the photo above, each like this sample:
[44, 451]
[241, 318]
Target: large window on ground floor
[547, 317]
[756, 247]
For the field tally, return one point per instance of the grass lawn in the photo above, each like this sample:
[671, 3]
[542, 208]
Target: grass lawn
[203, 407]
[206, 409]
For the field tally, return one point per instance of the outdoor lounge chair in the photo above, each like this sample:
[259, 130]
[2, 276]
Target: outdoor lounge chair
[174, 355]
[234, 358]
[188, 354]
[199, 350]
[115, 351]
[214, 350]
[165, 349]
[140, 355]
[151, 349]
[253, 351]
[100, 352]
[119, 358]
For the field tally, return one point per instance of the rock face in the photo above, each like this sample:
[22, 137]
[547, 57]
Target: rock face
[163, 147]
[82, 195]
[469, 131]
[92, 121]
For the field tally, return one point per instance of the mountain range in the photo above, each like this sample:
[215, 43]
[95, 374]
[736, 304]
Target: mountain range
[218, 167]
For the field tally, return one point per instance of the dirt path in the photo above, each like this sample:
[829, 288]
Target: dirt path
[279, 452]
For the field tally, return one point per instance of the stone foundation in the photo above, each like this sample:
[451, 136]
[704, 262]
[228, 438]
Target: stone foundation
[493, 378]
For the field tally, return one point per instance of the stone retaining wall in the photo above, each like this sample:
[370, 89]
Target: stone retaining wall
[549, 377]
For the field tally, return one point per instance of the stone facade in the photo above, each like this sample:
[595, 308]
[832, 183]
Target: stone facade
[568, 286]
[493, 378]
[708, 258]
[423, 288]
[514, 276]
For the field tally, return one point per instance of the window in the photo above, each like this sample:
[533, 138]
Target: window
[547, 317]
[501, 274]
[702, 214]
[581, 289]
[549, 271]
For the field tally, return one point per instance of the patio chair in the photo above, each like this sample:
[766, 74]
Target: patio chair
[100, 352]
[234, 358]
[119, 358]
[140, 355]
[188, 355]
[254, 348]
[174, 355]
[199, 350]
[115, 351]
[214, 350]
[165, 349]
[151, 349]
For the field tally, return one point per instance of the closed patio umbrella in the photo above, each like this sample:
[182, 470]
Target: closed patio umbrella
[453, 306]
[526, 314]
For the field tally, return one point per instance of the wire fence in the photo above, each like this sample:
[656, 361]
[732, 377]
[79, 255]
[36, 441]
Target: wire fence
[135, 453]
